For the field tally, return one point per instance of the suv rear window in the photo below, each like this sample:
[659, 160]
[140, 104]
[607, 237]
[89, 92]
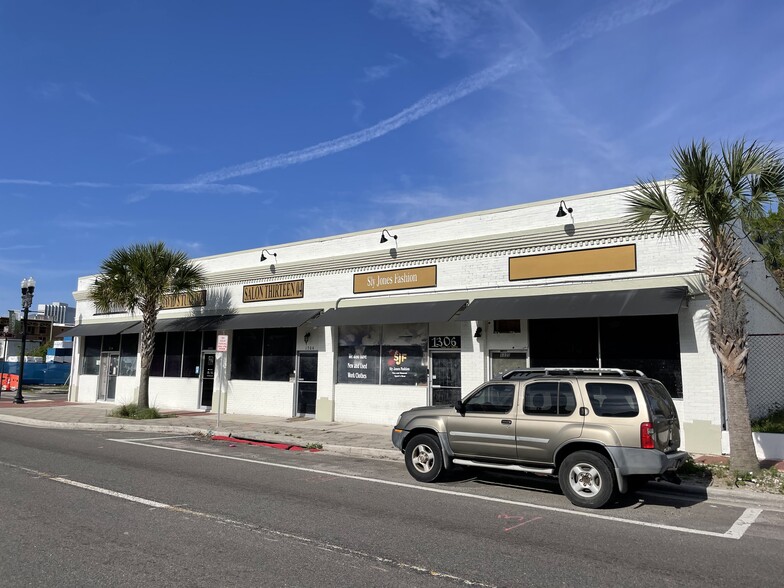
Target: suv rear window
[659, 399]
[612, 400]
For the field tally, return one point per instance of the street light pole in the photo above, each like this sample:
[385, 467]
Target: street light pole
[28, 287]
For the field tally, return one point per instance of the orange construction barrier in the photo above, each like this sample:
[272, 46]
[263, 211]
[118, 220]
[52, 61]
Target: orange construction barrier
[9, 381]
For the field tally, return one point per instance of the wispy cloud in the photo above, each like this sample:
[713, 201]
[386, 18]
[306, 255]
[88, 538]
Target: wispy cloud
[145, 189]
[435, 11]
[430, 103]
[93, 224]
[378, 72]
[50, 91]
[359, 108]
[147, 146]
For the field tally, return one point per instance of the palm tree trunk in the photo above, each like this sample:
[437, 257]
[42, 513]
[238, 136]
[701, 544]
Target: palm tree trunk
[148, 348]
[743, 456]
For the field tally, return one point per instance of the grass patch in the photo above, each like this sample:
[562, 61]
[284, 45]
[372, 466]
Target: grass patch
[772, 423]
[132, 411]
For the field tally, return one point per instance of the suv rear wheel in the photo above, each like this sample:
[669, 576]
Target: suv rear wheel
[423, 458]
[586, 479]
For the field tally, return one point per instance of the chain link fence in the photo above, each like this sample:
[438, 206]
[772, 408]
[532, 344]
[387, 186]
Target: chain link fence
[765, 374]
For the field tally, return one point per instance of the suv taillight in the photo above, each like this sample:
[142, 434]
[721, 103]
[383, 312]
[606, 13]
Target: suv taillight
[646, 436]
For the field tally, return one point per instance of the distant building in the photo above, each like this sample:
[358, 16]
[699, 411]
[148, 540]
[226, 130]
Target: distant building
[40, 330]
[59, 313]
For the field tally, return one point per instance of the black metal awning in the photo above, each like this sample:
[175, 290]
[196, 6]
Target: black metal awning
[645, 301]
[387, 314]
[268, 320]
[188, 323]
[86, 330]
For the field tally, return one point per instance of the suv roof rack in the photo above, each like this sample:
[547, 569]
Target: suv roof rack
[525, 373]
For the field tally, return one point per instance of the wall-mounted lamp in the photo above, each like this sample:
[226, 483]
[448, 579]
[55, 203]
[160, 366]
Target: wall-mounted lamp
[306, 338]
[563, 210]
[384, 238]
[478, 332]
[264, 257]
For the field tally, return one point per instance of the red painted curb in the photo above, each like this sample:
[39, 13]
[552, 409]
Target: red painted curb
[282, 446]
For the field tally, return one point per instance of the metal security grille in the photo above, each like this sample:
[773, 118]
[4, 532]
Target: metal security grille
[765, 375]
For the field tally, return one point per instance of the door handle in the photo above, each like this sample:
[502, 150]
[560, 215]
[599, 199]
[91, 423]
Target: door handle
[506, 421]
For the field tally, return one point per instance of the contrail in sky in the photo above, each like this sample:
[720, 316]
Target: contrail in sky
[622, 15]
[414, 112]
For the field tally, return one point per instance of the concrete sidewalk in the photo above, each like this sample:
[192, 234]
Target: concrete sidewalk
[360, 440]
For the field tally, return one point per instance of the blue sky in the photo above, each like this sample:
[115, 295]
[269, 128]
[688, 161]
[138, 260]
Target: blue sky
[222, 126]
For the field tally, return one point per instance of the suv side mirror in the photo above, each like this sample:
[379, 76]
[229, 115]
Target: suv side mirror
[460, 407]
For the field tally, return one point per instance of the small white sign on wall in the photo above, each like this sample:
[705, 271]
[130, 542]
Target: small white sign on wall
[223, 343]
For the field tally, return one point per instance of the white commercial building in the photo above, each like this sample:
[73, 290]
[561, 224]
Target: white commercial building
[348, 328]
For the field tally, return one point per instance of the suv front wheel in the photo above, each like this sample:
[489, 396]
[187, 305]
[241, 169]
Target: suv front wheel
[586, 479]
[423, 458]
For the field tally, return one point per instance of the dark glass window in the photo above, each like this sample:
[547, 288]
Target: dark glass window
[191, 355]
[92, 355]
[612, 400]
[506, 326]
[564, 342]
[551, 398]
[159, 355]
[209, 340]
[279, 351]
[129, 350]
[650, 344]
[111, 343]
[495, 398]
[173, 367]
[246, 350]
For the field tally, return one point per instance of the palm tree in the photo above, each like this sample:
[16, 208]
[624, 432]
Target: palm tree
[138, 277]
[715, 196]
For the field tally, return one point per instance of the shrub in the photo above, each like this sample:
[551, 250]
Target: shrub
[132, 411]
[772, 423]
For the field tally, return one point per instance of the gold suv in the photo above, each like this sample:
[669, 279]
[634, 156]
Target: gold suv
[602, 431]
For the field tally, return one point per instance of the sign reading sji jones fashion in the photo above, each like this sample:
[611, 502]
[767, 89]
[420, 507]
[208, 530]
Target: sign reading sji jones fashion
[401, 279]
[602, 260]
[273, 291]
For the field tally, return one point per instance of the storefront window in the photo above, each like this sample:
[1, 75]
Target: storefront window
[159, 355]
[173, 366]
[129, 350]
[403, 354]
[393, 354]
[92, 355]
[246, 350]
[358, 354]
[191, 355]
[279, 350]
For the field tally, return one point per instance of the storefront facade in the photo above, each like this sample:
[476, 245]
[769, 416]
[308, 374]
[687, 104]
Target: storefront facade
[351, 329]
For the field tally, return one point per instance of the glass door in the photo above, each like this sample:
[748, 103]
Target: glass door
[107, 379]
[445, 379]
[207, 379]
[307, 378]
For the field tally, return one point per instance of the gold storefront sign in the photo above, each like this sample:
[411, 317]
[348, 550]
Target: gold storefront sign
[622, 258]
[273, 291]
[402, 279]
[187, 300]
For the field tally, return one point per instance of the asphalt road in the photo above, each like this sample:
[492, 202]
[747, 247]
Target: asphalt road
[101, 509]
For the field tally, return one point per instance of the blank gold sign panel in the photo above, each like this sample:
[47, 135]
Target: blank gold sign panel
[622, 258]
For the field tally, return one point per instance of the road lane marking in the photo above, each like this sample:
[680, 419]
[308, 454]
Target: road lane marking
[737, 530]
[257, 529]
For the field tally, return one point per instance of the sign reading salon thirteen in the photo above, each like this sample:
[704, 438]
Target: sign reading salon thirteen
[273, 291]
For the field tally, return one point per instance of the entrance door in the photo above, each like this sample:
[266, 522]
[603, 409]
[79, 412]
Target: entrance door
[307, 376]
[110, 367]
[207, 379]
[445, 379]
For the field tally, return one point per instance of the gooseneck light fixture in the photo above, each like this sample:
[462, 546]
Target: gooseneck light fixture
[384, 238]
[268, 253]
[28, 287]
[563, 210]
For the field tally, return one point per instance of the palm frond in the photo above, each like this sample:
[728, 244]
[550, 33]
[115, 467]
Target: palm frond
[649, 206]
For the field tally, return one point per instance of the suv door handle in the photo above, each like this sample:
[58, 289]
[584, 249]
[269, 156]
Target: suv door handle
[506, 421]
